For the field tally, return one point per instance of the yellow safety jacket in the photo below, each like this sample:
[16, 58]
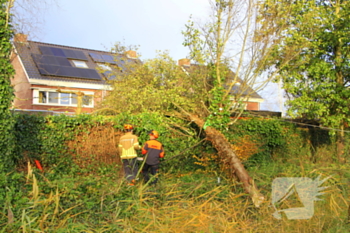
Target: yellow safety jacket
[128, 143]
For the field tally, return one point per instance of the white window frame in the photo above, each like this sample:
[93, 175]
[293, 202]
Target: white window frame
[36, 98]
[80, 64]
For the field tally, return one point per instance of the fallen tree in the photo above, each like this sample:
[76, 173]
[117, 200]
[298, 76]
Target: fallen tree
[223, 146]
[205, 92]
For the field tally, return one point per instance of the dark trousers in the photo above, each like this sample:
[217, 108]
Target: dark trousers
[130, 169]
[147, 169]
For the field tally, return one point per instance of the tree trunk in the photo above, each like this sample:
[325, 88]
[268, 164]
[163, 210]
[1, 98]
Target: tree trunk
[224, 149]
[340, 144]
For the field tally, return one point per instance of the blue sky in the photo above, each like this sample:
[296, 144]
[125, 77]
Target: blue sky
[98, 24]
[151, 24]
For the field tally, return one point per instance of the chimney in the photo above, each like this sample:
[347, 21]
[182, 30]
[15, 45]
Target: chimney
[184, 62]
[131, 54]
[20, 37]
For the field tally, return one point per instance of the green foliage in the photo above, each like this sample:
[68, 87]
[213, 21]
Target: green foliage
[45, 138]
[312, 56]
[269, 133]
[274, 136]
[62, 200]
[220, 105]
[174, 136]
[6, 91]
[268, 130]
[156, 85]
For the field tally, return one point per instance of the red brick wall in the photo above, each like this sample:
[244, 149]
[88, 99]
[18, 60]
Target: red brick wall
[253, 106]
[60, 108]
[23, 93]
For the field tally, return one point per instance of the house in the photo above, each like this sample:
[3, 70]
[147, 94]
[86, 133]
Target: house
[241, 93]
[61, 79]
[56, 78]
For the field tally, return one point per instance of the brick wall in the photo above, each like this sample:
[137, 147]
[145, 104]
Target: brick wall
[253, 106]
[23, 99]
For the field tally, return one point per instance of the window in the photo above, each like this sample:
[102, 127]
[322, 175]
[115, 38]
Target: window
[64, 98]
[53, 97]
[106, 69]
[80, 64]
[104, 66]
[47, 97]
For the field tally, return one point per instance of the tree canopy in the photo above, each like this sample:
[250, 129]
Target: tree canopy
[312, 54]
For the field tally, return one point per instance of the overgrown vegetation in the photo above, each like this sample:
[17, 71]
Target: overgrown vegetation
[6, 90]
[57, 176]
[194, 193]
[310, 50]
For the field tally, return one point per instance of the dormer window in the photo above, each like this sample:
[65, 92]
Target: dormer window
[80, 64]
[104, 66]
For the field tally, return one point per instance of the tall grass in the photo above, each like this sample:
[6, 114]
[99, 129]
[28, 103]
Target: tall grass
[181, 202]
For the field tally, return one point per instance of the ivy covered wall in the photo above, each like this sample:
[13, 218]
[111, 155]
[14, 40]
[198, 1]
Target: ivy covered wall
[6, 91]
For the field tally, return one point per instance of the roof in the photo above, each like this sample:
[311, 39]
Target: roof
[243, 89]
[54, 62]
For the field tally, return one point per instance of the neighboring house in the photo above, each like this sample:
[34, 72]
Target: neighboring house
[249, 98]
[49, 78]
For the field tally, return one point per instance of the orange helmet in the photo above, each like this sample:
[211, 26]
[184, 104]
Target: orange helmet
[128, 127]
[153, 133]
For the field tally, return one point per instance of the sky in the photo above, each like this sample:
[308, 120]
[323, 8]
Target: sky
[154, 25]
[151, 24]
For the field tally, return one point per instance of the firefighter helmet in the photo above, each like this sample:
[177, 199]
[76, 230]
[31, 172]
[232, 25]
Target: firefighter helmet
[128, 127]
[153, 133]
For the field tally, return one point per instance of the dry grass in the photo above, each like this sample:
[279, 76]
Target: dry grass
[96, 148]
[181, 204]
[245, 147]
[230, 213]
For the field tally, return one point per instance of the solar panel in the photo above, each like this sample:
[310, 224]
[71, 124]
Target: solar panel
[96, 57]
[65, 71]
[75, 54]
[69, 53]
[57, 52]
[50, 60]
[45, 50]
[48, 69]
[89, 73]
[60, 52]
[63, 61]
[102, 58]
[107, 58]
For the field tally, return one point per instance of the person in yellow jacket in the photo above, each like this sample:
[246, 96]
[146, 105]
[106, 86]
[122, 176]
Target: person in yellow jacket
[128, 144]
